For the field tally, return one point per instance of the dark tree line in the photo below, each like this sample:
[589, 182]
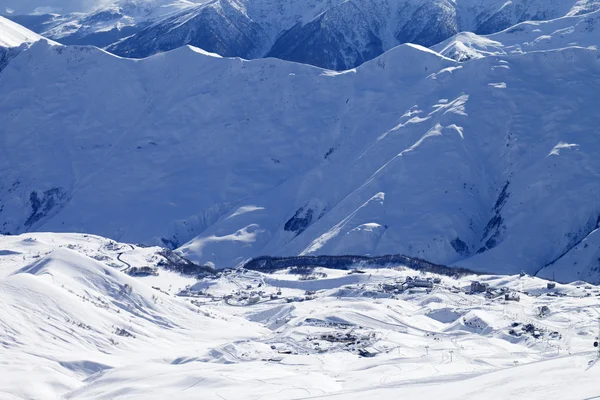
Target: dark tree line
[174, 262]
[348, 262]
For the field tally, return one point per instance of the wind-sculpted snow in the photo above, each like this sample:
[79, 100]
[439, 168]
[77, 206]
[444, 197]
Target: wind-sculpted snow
[480, 164]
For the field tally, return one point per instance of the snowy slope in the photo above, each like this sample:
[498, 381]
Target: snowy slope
[24, 7]
[13, 39]
[582, 262]
[104, 25]
[242, 158]
[67, 316]
[73, 326]
[568, 31]
[13, 35]
[44, 6]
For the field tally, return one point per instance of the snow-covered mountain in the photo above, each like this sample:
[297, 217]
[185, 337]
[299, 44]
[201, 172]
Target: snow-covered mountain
[63, 7]
[81, 319]
[333, 34]
[13, 35]
[21, 7]
[221, 27]
[104, 25]
[480, 152]
[245, 29]
[12, 39]
[577, 30]
[489, 164]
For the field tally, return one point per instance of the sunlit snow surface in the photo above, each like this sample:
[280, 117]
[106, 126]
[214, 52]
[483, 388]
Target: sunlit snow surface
[568, 31]
[74, 325]
[13, 35]
[229, 159]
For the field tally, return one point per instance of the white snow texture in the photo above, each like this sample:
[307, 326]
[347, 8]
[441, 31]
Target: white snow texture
[478, 152]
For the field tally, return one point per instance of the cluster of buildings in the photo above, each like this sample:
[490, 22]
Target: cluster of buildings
[249, 297]
[142, 271]
[410, 283]
[479, 287]
[308, 295]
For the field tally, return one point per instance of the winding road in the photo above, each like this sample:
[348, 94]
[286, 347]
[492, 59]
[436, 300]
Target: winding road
[123, 261]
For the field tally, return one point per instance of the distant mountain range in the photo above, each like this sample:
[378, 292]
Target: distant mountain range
[332, 34]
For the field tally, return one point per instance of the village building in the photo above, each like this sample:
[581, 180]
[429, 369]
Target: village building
[478, 287]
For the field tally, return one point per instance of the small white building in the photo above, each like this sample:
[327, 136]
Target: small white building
[478, 287]
[512, 297]
[255, 298]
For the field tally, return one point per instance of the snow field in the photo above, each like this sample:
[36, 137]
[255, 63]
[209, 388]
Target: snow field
[89, 330]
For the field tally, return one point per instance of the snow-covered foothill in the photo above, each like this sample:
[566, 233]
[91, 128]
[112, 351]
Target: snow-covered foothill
[74, 325]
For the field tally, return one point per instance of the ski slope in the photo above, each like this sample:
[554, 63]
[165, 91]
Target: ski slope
[73, 325]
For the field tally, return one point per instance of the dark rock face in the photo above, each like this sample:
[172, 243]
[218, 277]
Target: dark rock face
[460, 247]
[342, 38]
[175, 262]
[495, 226]
[323, 48]
[429, 24]
[6, 55]
[43, 203]
[300, 221]
[224, 30]
[505, 18]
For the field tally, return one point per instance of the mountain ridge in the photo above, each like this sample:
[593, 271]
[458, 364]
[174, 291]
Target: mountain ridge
[312, 175]
[330, 34]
